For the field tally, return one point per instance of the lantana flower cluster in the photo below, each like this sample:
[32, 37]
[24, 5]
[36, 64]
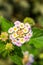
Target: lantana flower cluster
[20, 33]
[28, 58]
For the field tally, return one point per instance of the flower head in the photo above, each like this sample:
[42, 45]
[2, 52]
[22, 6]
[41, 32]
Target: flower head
[20, 33]
[27, 58]
[22, 40]
[27, 25]
[18, 43]
[17, 23]
[4, 36]
[21, 25]
[15, 29]
[14, 35]
[9, 46]
[10, 30]
[26, 38]
[25, 30]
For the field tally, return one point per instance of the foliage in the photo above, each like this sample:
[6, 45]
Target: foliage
[5, 24]
[33, 46]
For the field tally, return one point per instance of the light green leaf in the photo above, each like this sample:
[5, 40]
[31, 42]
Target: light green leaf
[38, 42]
[5, 24]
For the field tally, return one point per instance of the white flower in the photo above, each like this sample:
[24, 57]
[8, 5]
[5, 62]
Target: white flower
[17, 23]
[22, 40]
[25, 30]
[10, 30]
[27, 25]
[14, 35]
[14, 41]
[21, 25]
[15, 29]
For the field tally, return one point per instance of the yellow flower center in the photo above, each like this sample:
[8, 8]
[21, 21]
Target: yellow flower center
[20, 33]
[15, 35]
[15, 29]
[22, 40]
[25, 30]
[21, 25]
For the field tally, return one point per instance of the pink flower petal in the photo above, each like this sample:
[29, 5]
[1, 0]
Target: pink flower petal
[11, 37]
[18, 44]
[31, 58]
[17, 23]
[26, 38]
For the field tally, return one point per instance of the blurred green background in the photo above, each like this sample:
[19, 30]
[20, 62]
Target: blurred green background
[18, 10]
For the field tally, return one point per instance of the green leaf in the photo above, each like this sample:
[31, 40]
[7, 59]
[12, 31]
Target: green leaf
[38, 42]
[35, 43]
[37, 38]
[18, 51]
[25, 47]
[37, 32]
[2, 46]
[5, 24]
[4, 54]
[30, 48]
[16, 59]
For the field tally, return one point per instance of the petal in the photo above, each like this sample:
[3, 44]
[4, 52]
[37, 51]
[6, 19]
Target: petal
[21, 25]
[22, 40]
[10, 30]
[14, 35]
[11, 37]
[28, 63]
[17, 23]
[29, 34]
[31, 58]
[14, 41]
[18, 44]
[27, 25]
[26, 38]
[25, 30]
[15, 28]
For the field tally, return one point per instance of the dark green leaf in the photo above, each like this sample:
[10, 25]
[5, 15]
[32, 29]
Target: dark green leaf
[16, 59]
[2, 46]
[37, 32]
